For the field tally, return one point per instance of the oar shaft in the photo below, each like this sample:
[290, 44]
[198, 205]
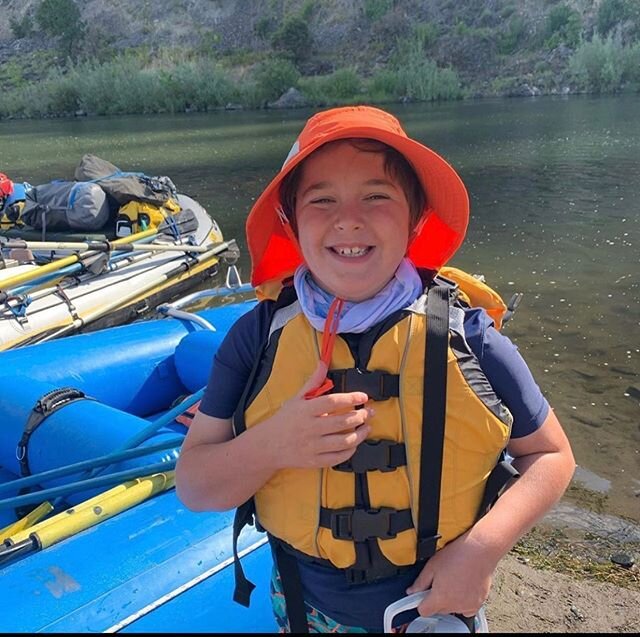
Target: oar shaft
[103, 246]
[58, 264]
[85, 515]
[121, 302]
[108, 508]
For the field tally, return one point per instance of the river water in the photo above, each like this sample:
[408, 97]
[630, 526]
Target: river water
[555, 198]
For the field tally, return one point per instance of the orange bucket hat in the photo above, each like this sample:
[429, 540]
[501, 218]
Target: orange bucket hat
[274, 253]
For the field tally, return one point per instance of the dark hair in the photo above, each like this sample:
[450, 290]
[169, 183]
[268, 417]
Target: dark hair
[396, 166]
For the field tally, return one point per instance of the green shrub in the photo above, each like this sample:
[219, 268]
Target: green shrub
[631, 64]
[376, 9]
[599, 66]
[507, 41]
[421, 80]
[21, 28]
[263, 27]
[293, 39]
[610, 14]
[61, 19]
[563, 26]
[273, 77]
[427, 34]
[341, 86]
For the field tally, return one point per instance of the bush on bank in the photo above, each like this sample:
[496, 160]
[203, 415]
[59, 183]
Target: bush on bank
[140, 83]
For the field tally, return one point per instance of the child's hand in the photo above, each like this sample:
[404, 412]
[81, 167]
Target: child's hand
[318, 432]
[459, 578]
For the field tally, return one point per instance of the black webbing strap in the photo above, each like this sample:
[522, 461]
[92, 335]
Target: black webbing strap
[44, 407]
[469, 622]
[245, 514]
[287, 566]
[501, 475]
[433, 419]
[377, 384]
[243, 587]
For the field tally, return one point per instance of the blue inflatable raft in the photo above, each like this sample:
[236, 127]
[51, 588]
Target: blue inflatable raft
[118, 552]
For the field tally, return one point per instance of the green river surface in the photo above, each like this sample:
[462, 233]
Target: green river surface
[554, 185]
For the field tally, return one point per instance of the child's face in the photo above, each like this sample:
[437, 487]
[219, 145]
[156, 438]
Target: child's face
[352, 220]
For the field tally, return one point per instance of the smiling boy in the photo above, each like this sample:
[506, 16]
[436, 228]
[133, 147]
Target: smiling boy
[367, 407]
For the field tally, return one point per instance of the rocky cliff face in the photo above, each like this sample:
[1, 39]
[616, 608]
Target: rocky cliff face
[481, 39]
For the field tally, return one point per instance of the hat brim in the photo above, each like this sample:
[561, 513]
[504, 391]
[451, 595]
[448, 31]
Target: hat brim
[273, 255]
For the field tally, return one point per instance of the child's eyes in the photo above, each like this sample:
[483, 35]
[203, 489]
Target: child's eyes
[326, 200]
[321, 200]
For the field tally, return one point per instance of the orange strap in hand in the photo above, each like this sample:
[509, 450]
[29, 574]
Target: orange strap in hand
[328, 340]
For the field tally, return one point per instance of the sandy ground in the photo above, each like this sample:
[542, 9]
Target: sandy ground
[524, 599]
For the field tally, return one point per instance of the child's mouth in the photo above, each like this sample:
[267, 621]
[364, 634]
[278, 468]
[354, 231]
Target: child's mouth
[351, 251]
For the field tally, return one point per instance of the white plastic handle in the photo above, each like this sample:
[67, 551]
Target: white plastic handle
[405, 603]
[433, 624]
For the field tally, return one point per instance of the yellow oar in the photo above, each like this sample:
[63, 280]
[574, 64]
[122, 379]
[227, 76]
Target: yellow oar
[86, 514]
[27, 522]
[88, 517]
[58, 264]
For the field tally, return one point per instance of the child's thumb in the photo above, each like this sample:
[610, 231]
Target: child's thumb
[316, 379]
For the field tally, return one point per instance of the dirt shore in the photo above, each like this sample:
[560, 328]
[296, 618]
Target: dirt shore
[555, 583]
[527, 600]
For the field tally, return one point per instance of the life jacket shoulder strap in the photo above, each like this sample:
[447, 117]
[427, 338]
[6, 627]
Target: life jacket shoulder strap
[245, 514]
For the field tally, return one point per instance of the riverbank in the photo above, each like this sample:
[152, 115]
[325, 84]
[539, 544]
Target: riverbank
[525, 599]
[420, 59]
[575, 572]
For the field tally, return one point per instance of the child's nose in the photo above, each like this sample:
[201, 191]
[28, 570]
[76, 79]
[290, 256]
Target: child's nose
[349, 218]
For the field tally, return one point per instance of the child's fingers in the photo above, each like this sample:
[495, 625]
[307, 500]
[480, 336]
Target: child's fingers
[422, 582]
[331, 403]
[342, 423]
[345, 441]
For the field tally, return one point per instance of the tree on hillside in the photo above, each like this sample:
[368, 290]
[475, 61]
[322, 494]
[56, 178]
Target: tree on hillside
[623, 15]
[293, 39]
[61, 19]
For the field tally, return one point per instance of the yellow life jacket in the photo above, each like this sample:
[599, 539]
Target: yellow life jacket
[316, 511]
[10, 216]
[136, 216]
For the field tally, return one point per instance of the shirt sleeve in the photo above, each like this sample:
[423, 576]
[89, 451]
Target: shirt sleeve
[507, 372]
[233, 362]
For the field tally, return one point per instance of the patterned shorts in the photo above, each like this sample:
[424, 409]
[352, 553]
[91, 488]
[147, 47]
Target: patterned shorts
[318, 622]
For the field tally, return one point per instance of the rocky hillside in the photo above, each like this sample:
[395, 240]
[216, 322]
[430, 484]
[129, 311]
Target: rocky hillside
[495, 46]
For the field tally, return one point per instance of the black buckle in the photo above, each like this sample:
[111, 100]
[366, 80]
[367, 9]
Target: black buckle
[371, 455]
[361, 524]
[377, 384]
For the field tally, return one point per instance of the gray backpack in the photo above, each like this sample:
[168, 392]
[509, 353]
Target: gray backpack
[66, 205]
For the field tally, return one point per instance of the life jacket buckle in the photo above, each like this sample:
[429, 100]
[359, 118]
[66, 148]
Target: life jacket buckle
[377, 384]
[371, 455]
[361, 524]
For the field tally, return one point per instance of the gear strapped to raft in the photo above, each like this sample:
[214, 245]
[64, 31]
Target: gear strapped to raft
[361, 523]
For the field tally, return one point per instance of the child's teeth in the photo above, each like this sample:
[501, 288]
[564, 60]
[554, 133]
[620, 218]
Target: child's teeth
[351, 252]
